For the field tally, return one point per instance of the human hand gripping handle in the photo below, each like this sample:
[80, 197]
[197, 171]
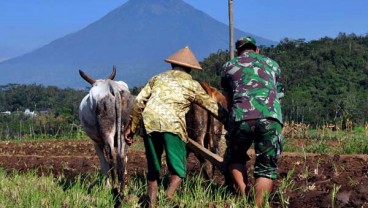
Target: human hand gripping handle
[128, 135]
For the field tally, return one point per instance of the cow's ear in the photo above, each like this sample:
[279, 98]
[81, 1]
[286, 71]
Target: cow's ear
[113, 73]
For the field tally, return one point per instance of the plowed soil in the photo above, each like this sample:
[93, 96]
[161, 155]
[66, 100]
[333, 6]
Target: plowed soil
[313, 180]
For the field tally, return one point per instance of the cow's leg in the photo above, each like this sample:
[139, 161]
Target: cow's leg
[202, 138]
[121, 165]
[123, 171]
[125, 166]
[214, 136]
[104, 165]
[108, 156]
[101, 157]
[113, 163]
[207, 165]
[213, 143]
[111, 154]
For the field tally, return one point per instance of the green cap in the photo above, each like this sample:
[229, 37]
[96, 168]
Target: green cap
[244, 40]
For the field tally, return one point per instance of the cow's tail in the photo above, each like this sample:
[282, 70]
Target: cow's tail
[118, 120]
[120, 142]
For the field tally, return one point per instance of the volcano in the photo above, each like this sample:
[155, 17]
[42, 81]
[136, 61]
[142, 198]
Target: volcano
[135, 37]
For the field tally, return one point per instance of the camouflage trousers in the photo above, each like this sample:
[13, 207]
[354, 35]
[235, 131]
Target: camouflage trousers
[267, 138]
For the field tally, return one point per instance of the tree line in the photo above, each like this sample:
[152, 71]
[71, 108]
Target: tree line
[326, 81]
[55, 111]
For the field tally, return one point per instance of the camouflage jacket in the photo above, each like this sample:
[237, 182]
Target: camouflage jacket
[165, 100]
[253, 84]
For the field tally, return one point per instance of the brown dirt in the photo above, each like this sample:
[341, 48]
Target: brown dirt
[314, 178]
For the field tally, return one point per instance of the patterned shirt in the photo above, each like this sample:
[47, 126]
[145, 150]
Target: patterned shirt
[165, 100]
[253, 84]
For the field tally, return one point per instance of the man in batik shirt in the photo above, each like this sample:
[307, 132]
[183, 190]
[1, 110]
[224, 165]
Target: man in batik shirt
[163, 104]
[252, 83]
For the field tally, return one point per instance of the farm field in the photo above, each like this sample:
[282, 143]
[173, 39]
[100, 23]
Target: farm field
[305, 180]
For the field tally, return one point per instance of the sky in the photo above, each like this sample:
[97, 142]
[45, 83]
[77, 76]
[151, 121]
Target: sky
[26, 25]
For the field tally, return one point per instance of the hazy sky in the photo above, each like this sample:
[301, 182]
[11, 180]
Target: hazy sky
[26, 25]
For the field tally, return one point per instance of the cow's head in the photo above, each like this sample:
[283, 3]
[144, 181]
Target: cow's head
[93, 81]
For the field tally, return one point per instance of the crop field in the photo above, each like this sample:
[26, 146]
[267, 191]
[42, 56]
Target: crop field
[305, 179]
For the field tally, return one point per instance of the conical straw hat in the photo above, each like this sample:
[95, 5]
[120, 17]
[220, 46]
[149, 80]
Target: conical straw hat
[184, 57]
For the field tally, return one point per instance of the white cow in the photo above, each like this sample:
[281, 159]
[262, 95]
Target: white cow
[104, 113]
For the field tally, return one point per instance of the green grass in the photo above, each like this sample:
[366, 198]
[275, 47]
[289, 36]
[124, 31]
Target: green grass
[329, 142]
[28, 190]
[286, 185]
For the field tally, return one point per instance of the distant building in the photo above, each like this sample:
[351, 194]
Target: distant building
[5, 112]
[28, 112]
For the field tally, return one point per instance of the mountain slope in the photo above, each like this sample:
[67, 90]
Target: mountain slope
[136, 37]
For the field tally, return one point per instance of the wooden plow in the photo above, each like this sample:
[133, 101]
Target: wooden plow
[213, 158]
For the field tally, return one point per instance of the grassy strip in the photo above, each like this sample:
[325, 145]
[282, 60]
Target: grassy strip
[28, 190]
[341, 144]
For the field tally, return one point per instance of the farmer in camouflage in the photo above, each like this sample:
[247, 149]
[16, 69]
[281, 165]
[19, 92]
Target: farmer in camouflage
[252, 83]
[163, 103]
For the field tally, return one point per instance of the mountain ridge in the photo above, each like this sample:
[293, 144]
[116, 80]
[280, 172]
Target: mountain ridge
[136, 37]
